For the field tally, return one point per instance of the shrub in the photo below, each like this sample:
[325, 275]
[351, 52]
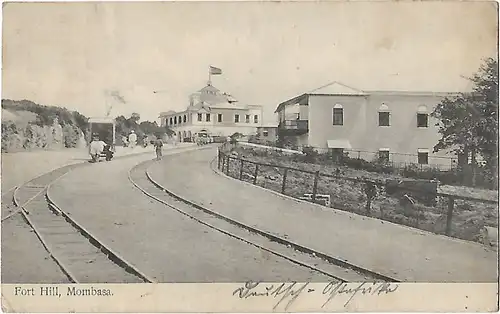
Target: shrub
[310, 154]
[71, 135]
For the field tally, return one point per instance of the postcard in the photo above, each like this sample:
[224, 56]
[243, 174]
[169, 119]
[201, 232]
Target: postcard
[241, 156]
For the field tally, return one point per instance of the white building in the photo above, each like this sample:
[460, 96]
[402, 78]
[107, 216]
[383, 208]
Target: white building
[213, 112]
[394, 125]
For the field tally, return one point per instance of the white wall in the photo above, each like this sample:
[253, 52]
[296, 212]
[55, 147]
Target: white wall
[361, 124]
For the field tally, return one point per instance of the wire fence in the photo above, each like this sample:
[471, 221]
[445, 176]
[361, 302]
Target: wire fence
[392, 159]
[413, 203]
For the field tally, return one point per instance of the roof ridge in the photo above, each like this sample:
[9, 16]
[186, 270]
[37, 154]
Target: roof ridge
[338, 83]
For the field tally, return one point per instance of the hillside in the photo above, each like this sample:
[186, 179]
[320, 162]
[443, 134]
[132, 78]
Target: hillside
[27, 125]
[21, 117]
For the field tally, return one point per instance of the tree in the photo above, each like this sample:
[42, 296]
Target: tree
[468, 123]
[145, 128]
[169, 131]
[135, 117]
[149, 127]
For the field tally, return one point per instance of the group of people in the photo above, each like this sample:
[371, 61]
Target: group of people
[97, 146]
[158, 143]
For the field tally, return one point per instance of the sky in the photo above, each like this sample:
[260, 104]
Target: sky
[77, 55]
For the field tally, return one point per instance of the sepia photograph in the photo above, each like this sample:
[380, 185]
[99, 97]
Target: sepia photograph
[278, 150]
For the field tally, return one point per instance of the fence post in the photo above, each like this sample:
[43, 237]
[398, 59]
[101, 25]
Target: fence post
[418, 217]
[227, 164]
[223, 161]
[449, 216]
[241, 169]
[315, 186]
[284, 181]
[255, 173]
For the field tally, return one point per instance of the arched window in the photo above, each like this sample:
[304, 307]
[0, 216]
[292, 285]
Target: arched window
[171, 121]
[383, 115]
[175, 120]
[422, 117]
[338, 114]
[383, 107]
[185, 118]
[422, 109]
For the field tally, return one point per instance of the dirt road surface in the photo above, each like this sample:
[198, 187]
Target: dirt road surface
[158, 240]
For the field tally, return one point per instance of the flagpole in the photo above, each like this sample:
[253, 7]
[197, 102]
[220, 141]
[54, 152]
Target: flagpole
[209, 76]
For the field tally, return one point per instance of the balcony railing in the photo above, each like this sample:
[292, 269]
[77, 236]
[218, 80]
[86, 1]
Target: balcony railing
[294, 126]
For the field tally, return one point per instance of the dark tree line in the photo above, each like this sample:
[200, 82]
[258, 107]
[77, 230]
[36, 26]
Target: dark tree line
[469, 123]
[144, 128]
[72, 121]
[47, 114]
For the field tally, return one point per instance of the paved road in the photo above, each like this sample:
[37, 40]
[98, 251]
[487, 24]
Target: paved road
[396, 251]
[160, 241]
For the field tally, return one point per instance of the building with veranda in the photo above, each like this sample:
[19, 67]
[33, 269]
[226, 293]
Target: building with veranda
[214, 112]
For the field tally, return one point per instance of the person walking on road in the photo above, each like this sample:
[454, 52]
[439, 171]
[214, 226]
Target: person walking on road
[158, 146]
[132, 139]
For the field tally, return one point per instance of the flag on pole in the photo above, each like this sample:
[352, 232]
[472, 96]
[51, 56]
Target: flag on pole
[215, 71]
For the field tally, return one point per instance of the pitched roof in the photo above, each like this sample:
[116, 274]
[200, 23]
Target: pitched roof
[336, 88]
[340, 89]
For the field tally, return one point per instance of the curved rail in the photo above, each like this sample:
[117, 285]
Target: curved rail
[77, 164]
[10, 202]
[114, 256]
[256, 231]
[331, 259]
[65, 252]
[64, 269]
[32, 199]
[39, 187]
[295, 261]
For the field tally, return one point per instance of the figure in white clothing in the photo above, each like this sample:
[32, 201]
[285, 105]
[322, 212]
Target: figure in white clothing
[96, 147]
[132, 139]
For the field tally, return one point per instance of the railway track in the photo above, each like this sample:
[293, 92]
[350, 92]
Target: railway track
[13, 199]
[8, 208]
[80, 255]
[336, 269]
[39, 183]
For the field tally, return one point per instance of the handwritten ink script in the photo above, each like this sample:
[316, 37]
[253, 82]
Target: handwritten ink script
[290, 292]
[333, 289]
[287, 293]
